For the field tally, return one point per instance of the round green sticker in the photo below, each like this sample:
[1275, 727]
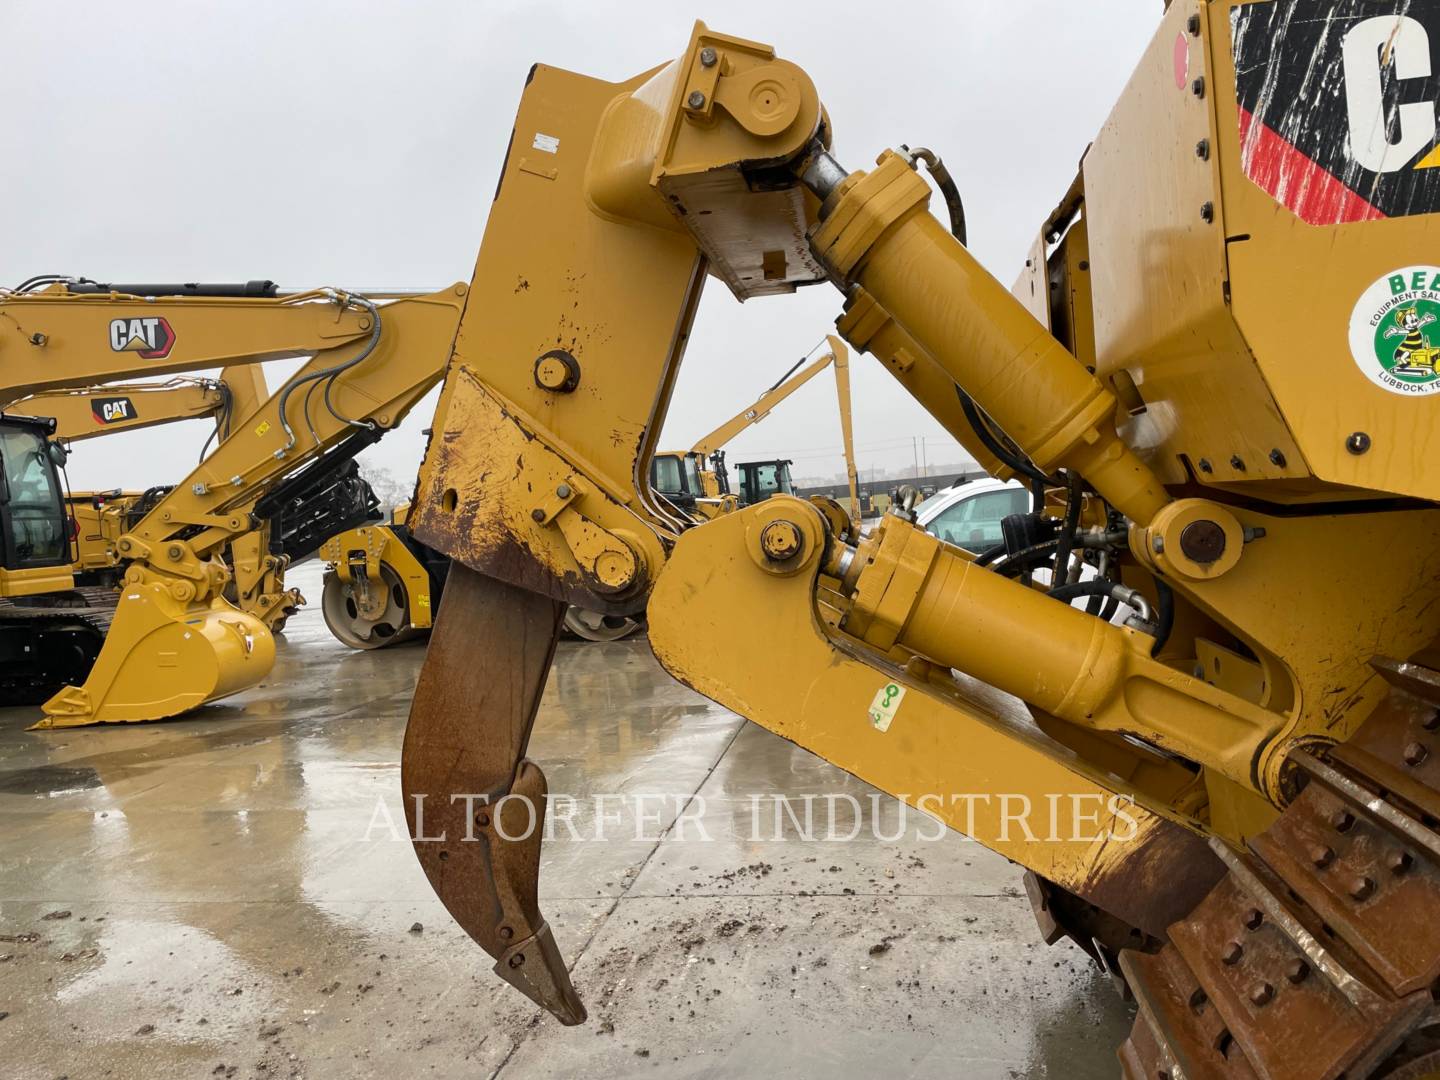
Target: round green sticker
[1395, 331]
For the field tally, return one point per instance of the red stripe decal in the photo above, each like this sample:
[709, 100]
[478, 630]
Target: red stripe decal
[1296, 182]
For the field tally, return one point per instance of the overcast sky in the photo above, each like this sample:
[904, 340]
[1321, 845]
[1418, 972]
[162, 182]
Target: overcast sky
[358, 143]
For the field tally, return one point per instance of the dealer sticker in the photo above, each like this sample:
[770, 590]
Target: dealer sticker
[1395, 331]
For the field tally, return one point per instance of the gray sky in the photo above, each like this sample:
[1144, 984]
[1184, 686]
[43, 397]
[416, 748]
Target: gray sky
[358, 143]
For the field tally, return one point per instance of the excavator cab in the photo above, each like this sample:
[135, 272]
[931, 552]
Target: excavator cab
[34, 526]
[761, 479]
[677, 476]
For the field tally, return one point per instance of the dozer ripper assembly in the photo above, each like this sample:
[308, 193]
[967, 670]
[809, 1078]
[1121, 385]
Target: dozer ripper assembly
[1200, 380]
[287, 471]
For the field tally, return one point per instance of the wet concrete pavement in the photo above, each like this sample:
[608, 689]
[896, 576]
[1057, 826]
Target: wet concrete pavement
[232, 895]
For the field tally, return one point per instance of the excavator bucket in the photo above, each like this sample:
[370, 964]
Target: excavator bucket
[475, 804]
[164, 656]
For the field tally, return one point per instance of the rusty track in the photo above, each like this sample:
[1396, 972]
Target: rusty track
[1316, 955]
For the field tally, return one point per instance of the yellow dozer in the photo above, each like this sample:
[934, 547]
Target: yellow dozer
[1197, 380]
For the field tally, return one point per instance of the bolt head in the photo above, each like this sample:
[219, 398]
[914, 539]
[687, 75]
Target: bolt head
[1362, 888]
[537, 514]
[1277, 458]
[1322, 856]
[1237, 463]
[1358, 443]
[1205, 465]
[1202, 149]
[563, 491]
[696, 100]
[1207, 211]
[781, 540]
[1232, 954]
[1297, 970]
[708, 56]
[1416, 753]
[1193, 25]
[1203, 541]
[1198, 86]
[1261, 994]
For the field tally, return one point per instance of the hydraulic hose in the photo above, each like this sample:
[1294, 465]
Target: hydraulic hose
[1165, 614]
[946, 183]
[1066, 539]
[1105, 587]
[330, 373]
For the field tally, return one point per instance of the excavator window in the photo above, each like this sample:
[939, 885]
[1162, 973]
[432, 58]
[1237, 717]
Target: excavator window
[32, 510]
[666, 476]
[692, 475]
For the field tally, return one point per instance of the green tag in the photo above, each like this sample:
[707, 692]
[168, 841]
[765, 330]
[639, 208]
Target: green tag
[886, 705]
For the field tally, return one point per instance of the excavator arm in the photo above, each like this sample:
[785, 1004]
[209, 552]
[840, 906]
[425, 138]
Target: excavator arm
[835, 353]
[718, 163]
[89, 412]
[791, 381]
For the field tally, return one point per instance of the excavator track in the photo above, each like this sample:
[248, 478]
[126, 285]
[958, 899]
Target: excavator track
[1317, 955]
[45, 646]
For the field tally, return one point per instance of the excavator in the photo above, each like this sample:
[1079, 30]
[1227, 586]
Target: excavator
[174, 641]
[100, 517]
[1243, 776]
[684, 479]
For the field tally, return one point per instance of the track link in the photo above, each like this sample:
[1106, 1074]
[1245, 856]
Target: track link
[51, 641]
[1316, 954]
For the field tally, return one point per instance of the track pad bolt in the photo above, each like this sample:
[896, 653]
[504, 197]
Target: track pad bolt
[1297, 971]
[1261, 994]
[781, 540]
[1415, 754]
[1322, 856]
[1399, 862]
[1232, 954]
[1362, 888]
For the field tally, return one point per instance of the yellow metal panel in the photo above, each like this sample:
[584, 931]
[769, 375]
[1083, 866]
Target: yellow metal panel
[1159, 274]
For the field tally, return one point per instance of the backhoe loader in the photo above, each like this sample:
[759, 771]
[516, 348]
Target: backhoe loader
[101, 517]
[1200, 377]
[175, 641]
